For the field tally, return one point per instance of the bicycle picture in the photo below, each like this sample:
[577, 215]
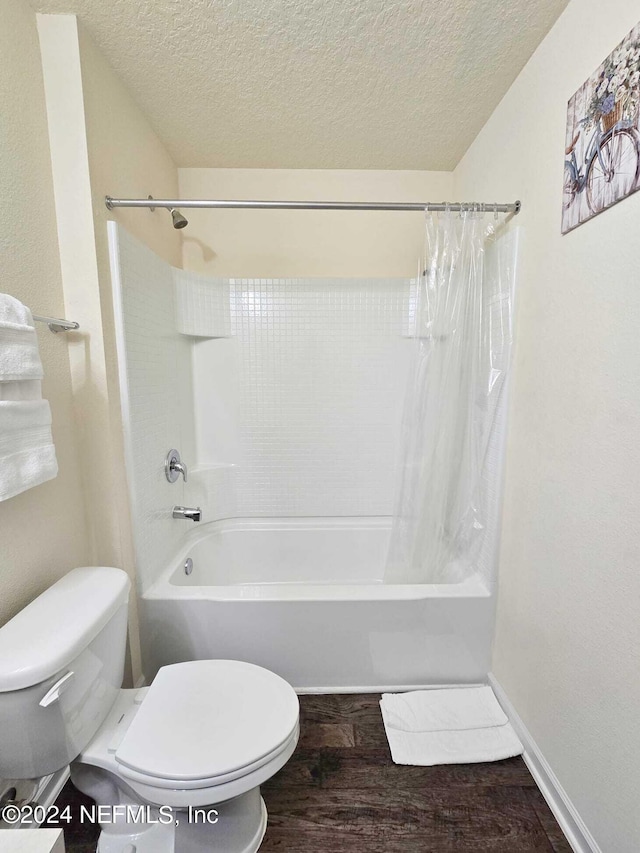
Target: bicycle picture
[602, 153]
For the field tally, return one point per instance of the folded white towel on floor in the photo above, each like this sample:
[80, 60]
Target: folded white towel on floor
[460, 725]
[467, 746]
[442, 709]
[19, 355]
[27, 453]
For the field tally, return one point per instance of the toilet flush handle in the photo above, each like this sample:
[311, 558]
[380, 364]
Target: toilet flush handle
[53, 694]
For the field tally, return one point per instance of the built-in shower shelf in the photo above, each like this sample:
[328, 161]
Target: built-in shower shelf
[436, 338]
[207, 337]
[202, 305]
[204, 472]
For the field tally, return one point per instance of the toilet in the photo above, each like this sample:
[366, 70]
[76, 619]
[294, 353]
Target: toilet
[175, 767]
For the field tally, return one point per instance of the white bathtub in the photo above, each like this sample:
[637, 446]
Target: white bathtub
[305, 598]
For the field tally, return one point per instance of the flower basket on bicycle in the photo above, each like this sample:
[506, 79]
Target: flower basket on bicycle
[612, 118]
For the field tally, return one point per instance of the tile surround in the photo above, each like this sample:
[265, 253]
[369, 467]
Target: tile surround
[154, 363]
[298, 384]
[316, 376]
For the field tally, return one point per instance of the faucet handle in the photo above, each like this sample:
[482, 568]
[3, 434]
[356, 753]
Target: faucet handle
[173, 467]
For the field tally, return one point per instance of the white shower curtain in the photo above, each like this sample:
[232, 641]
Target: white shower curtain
[461, 330]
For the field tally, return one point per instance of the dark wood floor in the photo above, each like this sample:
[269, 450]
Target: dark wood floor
[341, 792]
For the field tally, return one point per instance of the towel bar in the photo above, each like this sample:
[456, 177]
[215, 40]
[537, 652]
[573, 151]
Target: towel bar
[57, 325]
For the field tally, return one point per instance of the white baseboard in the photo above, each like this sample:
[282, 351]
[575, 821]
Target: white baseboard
[380, 688]
[564, 811]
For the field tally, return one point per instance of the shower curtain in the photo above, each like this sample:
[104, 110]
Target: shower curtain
[461, 339]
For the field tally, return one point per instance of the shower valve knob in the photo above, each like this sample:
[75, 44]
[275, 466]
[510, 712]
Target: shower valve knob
[173, 467]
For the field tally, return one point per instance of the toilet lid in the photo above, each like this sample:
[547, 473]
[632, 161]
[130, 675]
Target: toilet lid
[208, 718]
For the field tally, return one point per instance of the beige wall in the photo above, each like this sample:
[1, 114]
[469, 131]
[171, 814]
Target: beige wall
[43, 531]
[101, 144]
[316, 243]
[126, 159]
[568, 627]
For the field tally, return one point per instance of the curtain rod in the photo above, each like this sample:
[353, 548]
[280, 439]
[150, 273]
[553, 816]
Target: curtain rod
[489, 207]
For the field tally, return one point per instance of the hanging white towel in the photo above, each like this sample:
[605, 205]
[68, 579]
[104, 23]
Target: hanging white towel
[27, 453]
[19, 356]
[460, 725]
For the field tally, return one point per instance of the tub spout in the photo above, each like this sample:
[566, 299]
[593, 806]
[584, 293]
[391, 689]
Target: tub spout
[191, 512]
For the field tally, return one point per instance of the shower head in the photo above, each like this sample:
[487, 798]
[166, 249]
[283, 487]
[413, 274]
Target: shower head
[179, 220]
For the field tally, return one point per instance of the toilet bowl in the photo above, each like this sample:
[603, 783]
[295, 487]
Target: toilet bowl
[173, 767]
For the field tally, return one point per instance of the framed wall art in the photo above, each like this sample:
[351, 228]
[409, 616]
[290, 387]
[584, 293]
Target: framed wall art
[602, 153]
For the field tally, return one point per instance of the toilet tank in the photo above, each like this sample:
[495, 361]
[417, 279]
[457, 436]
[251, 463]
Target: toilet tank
[61, 668]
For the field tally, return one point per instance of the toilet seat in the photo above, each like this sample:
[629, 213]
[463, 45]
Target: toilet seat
[204, 723]
[208, 792]
[117, 736]
[209, 781]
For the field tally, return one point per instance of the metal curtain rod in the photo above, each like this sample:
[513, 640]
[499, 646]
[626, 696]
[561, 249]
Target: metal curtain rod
[491, 207]
[57, 325]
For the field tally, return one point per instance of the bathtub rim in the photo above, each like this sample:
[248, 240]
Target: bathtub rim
[164, 588]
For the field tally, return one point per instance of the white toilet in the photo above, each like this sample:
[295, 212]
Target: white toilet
[176, 766]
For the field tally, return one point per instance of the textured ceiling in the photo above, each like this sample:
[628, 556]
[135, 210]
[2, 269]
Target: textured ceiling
[335, 84]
